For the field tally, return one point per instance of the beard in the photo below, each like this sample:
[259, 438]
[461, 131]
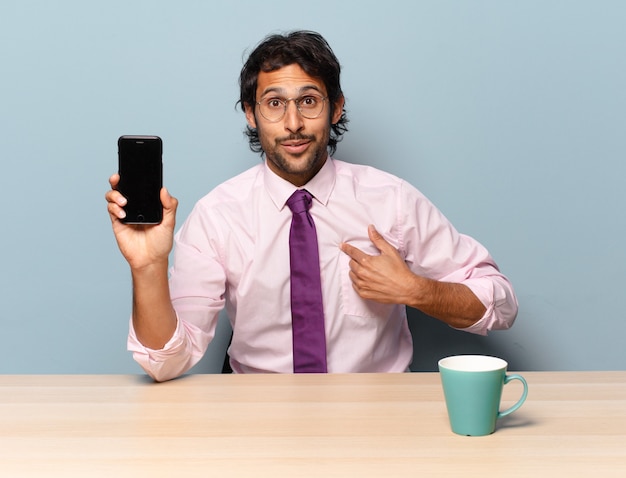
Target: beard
[302, 163]
[295, 167]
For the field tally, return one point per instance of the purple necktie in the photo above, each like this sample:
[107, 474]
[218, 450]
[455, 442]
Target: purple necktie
[307, 312]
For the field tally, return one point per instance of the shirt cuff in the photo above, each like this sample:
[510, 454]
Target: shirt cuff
[499, 301]
[172, 346]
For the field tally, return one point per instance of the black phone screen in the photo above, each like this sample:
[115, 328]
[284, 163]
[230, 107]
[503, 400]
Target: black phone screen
[141, 178]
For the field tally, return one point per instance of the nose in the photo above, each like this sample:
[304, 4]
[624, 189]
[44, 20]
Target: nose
[293, 119]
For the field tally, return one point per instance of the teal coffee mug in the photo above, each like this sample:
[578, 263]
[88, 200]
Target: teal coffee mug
[472, 386]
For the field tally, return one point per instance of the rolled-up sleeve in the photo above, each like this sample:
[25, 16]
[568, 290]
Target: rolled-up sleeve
[177, 356]
[497, 295]
[435, 249]
[197, 284]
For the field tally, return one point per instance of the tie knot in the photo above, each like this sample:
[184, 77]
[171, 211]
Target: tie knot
[300, 201]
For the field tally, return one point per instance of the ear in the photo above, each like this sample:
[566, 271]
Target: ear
[338, 111]
[250, 115]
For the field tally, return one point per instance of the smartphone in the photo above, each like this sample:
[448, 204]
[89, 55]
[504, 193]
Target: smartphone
[141, 178]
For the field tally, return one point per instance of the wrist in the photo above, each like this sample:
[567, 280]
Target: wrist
[421, 292]
[150, 271]
[149, 265]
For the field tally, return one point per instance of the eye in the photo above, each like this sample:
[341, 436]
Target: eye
[274, 103]
[308, 101]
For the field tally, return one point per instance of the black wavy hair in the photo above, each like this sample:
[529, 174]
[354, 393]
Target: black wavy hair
[313, 54]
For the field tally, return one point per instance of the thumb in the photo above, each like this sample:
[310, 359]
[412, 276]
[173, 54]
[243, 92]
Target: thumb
[377, 239]
[168, 202]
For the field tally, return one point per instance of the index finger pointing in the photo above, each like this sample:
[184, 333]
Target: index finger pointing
[355, 253]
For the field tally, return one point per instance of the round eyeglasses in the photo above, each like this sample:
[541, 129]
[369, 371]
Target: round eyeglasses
[273, 109]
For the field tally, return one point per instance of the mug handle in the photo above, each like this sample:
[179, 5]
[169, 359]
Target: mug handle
[507, 379]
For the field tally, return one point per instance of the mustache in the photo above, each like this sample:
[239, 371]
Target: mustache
[296, 137]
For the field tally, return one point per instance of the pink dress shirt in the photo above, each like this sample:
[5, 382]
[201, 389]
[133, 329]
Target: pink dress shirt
[233, 252]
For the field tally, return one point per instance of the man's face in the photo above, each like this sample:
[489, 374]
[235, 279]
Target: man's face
[295, 147]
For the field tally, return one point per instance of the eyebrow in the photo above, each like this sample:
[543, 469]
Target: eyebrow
[281, 91]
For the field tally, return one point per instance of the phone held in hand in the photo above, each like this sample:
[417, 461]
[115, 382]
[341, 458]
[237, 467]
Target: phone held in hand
[141, 178]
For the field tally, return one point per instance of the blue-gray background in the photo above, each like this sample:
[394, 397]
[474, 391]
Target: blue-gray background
[509, 115]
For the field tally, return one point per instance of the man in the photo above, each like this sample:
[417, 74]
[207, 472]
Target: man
[381, 244]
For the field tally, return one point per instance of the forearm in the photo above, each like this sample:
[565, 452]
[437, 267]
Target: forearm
[452, 303]
[154, 319]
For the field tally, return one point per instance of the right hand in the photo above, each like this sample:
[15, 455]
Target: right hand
[142, 245]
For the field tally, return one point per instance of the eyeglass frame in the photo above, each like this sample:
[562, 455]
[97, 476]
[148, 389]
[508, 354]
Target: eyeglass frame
[296, 102]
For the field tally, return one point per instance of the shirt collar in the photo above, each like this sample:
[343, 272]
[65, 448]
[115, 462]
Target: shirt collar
[320, 186]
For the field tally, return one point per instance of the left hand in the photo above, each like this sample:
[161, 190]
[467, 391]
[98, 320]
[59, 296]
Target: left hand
[384, 278]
